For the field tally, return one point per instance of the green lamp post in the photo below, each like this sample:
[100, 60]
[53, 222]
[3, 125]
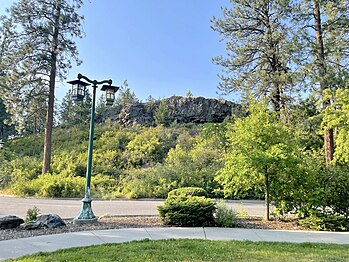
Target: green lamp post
[78, 93]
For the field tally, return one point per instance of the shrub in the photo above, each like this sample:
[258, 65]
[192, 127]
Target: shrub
[103, 186]
[187, 210]
[224, 215]
[146, 183]
[32, 214]
[322, 222]
[57, 186]
[188, 191]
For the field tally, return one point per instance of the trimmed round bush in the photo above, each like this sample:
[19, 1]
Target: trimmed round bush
[182, 208]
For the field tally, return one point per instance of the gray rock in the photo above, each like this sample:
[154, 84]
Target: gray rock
[181, 110]
[44, 221]
[10, 222]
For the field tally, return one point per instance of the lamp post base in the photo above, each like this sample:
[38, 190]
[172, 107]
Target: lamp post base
[86, 214]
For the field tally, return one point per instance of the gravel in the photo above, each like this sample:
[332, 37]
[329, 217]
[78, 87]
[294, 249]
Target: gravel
[137, 222]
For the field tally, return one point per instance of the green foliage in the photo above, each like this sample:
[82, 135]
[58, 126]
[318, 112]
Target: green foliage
[187, 191]
[322, 222]
[32, 214]
[224, 215]
[146, 183]
[104, 186]
[125, 96]
[143, 149]
[253, 33]
[162, 115]
[184, 209]
[57, 186]
[336, 189]
[336, 116]
[314, 189]
[261, 152]
[189, 94]
[40, 51]
[75, 113]
[195, 161]
[6, 128]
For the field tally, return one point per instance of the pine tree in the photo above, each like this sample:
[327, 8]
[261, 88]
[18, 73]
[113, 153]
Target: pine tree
[126, 96]
[260, 50]
[162, 115]
[75, 113]
[327, 46]
[43, 50]
[6, 129]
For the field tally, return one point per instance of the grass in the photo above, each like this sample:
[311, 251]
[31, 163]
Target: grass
[198, 250]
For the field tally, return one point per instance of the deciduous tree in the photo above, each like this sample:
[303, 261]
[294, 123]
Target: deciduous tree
[260, 150]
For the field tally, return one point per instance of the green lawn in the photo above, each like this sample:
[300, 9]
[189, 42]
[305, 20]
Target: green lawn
[199, 250]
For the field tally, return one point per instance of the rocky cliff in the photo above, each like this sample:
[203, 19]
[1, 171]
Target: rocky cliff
[180, 109]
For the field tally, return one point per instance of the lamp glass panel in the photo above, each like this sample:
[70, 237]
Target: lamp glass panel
[110, 95]
[74, 89]
[81, 90]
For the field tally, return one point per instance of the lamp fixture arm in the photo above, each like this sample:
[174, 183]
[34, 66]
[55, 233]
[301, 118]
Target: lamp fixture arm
[95, 82]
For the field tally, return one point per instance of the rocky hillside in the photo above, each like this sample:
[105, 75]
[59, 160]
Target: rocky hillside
[181, 110]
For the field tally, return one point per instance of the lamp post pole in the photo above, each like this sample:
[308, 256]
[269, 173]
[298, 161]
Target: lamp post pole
[86, 213]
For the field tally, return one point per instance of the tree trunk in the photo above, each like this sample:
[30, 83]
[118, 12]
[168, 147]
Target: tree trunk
[328, 134]
[267, 195]
[51, 96]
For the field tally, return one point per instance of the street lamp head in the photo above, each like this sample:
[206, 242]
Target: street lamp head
[78, 89]
[110, 93]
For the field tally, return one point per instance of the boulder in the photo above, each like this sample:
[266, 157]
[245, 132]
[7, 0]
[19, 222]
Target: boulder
[44, 221]
[10, 222]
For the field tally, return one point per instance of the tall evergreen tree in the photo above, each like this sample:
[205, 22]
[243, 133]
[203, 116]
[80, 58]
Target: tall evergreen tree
[6, 129]
[75, 113]
[44, 32]
[260, 50]
[162, 115]
[327, 45]
[125, 96]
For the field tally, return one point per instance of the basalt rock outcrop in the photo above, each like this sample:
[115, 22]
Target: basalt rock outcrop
[10, 222]
[180, 109]
[44, 221]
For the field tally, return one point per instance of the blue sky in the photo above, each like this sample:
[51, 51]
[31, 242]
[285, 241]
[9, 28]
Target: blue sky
[162, 47]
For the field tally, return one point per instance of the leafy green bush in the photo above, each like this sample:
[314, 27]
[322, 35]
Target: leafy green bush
[143, 183]
[336, 187]
[103, 186]
[57, 186]
[187, 210]
[32, 214]
[224, 215]
[322, 222]
[187, 191]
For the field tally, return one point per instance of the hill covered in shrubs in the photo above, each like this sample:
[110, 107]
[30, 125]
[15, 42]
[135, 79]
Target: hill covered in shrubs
[133, 162]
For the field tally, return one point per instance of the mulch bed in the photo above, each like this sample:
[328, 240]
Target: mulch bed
[138, 222]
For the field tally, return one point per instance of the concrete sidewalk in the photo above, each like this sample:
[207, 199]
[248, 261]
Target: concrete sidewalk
[23, 246]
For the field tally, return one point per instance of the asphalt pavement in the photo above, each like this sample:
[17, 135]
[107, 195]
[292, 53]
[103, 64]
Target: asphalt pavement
[69, 208]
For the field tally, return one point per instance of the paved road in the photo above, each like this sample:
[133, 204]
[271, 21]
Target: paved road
[69, 208]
